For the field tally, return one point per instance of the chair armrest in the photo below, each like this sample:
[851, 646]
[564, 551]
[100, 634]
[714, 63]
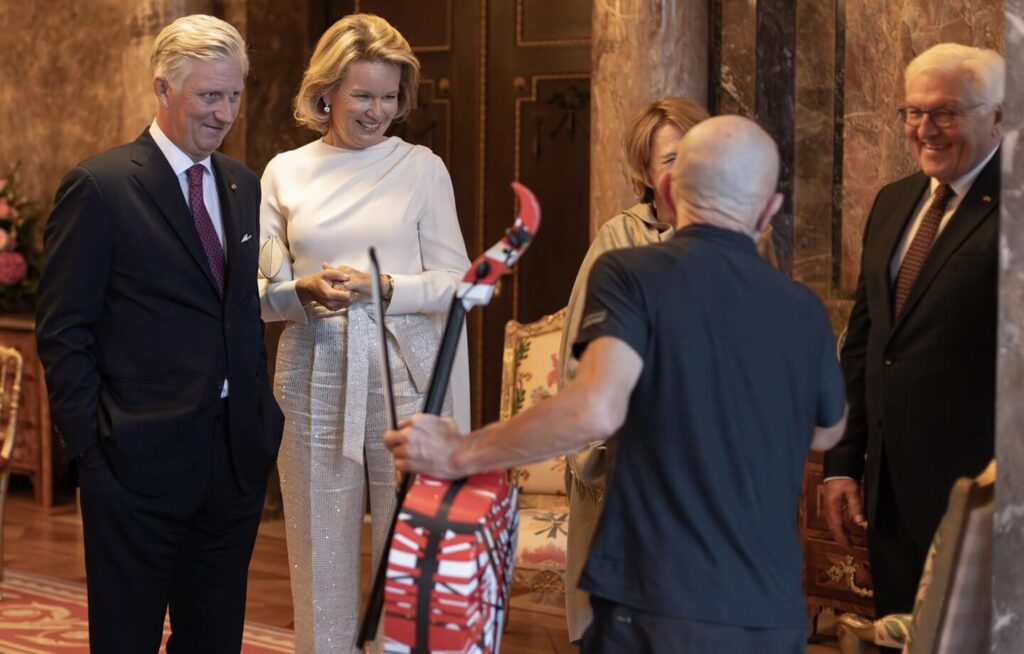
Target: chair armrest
[855, 632]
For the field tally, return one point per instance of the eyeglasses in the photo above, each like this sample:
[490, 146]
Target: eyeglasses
[941, 118]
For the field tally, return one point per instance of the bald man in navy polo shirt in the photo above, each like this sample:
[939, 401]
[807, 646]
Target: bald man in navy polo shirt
[717, 373]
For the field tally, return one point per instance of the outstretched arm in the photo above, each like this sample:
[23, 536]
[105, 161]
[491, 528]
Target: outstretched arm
[591, 408]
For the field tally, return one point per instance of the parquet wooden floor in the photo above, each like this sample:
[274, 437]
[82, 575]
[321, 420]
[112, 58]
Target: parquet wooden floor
[49, 542]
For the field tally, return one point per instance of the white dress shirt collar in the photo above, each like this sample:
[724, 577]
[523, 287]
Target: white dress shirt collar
[963, 183]
[180, 162]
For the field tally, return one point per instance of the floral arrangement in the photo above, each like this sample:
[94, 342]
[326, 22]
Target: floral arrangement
[20, 251]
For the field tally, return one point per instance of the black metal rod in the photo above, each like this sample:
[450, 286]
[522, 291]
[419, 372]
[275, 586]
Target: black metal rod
[445, 359]
[433, 405]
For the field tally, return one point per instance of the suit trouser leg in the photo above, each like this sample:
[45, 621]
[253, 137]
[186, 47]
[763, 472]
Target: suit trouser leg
[133, 544]
[130, 553]
[896, 559]
[207, 603]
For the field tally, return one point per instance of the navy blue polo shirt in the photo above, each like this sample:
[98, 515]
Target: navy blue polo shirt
[700, 517]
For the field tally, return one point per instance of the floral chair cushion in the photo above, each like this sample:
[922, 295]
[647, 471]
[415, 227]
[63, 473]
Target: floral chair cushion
[542, 539]
[530, 375]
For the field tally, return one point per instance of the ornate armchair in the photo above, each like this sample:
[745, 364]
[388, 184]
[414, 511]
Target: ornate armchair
[529, 375]
[10, 397]
[952, 612]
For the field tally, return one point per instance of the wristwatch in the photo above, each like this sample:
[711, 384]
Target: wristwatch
[386, 294]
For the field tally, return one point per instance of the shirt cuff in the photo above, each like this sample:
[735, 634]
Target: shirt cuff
[426, 292]
[280, 301]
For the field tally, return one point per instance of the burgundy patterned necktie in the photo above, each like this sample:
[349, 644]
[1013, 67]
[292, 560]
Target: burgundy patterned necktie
[204, 225]
[916, 254]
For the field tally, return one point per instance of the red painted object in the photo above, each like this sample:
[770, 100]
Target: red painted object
[454, 547]
[444, 580]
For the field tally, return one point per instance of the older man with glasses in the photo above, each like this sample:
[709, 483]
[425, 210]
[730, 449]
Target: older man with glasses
[920, 353]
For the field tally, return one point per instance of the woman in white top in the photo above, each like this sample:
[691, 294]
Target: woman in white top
[324, 205]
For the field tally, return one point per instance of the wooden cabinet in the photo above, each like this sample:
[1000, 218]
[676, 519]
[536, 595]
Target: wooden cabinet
[835, 577]
[35, 452]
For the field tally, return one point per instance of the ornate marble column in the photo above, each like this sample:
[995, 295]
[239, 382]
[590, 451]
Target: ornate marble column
[775, 106]
[1007, 564]
[641, 50]
[817, 153]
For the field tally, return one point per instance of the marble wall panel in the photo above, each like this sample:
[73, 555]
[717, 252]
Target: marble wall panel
[775, 108]
[815, 129]
[1008, 580]
[738, 27]
[664, 47]
[882, 36]
[806, 241]
[75, 81]
[87, 86]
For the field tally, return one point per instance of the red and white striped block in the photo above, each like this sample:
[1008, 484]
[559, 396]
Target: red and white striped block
[450, 566]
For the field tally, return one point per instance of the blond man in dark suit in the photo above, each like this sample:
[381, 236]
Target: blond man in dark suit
[149, 330]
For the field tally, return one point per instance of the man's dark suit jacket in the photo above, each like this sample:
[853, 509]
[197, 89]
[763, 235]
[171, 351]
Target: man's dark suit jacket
[134, 338]
[923, 385]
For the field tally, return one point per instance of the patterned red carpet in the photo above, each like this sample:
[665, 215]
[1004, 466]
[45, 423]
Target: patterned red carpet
[39, 615]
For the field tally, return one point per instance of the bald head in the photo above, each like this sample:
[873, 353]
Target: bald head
[725, 174]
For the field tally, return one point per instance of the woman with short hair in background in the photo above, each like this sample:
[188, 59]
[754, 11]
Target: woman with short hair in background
[650, 148]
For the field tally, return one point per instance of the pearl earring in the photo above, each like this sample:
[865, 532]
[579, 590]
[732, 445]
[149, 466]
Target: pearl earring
[327, 108]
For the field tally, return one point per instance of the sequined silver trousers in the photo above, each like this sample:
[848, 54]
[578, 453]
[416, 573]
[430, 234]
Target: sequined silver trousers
[324, 488]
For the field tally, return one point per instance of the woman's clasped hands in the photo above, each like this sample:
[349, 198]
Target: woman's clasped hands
[334, 287]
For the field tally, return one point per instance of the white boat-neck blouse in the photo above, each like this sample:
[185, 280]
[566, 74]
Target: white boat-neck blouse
[325, 204]
[329, 204]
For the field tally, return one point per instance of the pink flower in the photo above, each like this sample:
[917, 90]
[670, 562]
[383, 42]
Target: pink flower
[7, 241]
[5, 209]
[13, 268]
[553, 374]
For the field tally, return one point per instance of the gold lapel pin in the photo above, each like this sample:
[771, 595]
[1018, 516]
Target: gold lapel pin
[986, 198]
[234, 187]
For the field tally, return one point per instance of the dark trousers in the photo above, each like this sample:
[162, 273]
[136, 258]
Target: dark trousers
[618, 629]
[187, 551]
[896, 558]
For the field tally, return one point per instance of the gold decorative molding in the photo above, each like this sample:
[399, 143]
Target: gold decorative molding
[522, 42]
[847, 569]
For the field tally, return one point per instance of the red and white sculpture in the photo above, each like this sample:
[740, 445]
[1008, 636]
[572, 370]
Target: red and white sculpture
[453, 551]
[444, 580]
